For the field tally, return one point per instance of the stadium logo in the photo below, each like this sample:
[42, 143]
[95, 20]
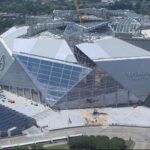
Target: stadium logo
[138, 75]
[2, 63]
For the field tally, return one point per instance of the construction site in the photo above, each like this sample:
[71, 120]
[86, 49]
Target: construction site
[90, 24]
[73, 68]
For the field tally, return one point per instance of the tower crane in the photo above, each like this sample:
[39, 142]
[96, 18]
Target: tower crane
[78, 10]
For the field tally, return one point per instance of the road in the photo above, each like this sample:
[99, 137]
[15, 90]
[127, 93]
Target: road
[141, 136]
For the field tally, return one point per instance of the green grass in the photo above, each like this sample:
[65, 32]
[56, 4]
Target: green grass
[63, 146]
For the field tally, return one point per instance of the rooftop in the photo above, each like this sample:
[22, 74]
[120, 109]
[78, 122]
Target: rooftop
[44, 44]
[13, 33]
[45, 47]
[109, 48]
[47, 36]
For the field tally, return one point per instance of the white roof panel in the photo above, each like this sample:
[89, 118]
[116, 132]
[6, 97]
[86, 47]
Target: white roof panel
[45, 47]
[93, 50]
[12, 34]
[111, 48]
[119, 48]
[24, 45]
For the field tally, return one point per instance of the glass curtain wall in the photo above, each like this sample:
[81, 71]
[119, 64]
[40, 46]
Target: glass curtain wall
[97, 89]
[53, 78]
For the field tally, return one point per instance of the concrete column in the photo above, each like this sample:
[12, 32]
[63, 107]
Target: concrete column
[116, 97]
[31, 94]
[128, 97]
[23, 92]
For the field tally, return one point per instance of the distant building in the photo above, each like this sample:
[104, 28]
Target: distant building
[109, 1]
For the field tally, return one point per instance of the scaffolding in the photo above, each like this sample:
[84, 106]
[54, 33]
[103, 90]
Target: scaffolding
[144, 20]
[40, 27]
[126, 25]
[120, 22]
[33, 20]
[71, 14]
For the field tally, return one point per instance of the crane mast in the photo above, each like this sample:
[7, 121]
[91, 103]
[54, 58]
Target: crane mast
[78, 10]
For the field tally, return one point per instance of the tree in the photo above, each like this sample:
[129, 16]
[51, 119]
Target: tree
[96, 143]
[117, 143]
[37, 147]
[102, 142]
[21, 148]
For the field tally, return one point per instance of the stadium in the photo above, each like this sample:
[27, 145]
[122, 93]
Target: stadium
[54, 63]
[96, 74]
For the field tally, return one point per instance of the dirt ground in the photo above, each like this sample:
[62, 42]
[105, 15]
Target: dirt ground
[94, 116]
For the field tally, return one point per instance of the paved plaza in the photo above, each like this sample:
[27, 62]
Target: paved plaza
[52, 119]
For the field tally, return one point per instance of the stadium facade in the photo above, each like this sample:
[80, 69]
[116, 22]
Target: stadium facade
[108, 72]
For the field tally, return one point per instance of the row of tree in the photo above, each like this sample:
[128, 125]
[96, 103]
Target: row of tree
[89, 143]
[97, 143]
[26, 7]
[37, 7]
[29, 7]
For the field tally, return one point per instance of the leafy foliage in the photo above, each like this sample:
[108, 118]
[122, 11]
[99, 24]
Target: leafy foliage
[96, 143]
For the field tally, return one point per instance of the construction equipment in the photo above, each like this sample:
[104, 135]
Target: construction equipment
[11, 101]
[78, 10]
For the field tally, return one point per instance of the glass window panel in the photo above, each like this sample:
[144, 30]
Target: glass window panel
[57, 69]
[56, 74]
[33, 64]
[47, 72]
[67, 67]
[54, 79]
[45, 77]
[53, 93]
[58, 65]
[60, 94]
[66, 76]
[33, 60]
[44, 67]
[32, 68]
[66, 71]
[56, 98]
[64, 81]
[75, 73]
[72, 82]
[48, 63]
[64, 85]
[22, 58]
[50, 85]
[42, 80]
[49, 96]
[74, 78]
[77, 69]
[54, 83]
[48, 92]
[34, 74]
[24, 62]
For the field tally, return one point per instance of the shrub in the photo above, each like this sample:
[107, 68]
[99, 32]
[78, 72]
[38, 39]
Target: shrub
[96, 143]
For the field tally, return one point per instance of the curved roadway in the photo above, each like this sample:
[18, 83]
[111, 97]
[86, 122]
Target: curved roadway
[140, 135]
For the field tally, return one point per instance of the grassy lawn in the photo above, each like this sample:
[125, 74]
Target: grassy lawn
[63, 146]
[129, 144]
